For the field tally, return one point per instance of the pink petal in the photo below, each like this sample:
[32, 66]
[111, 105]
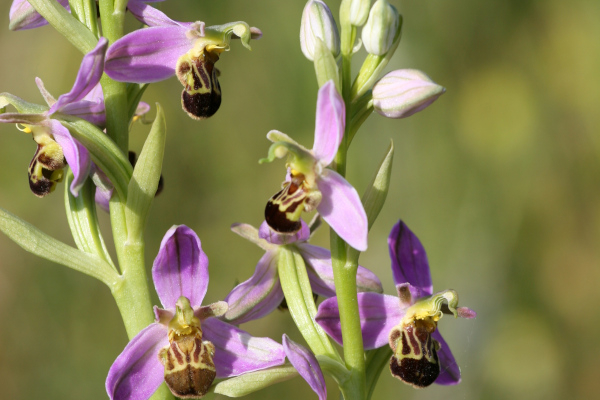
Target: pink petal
[147, 55]
[76, 155]
[22, 15]
[137, 371]
[409, 261]
[88, 76]
[180, 268]
[378, 314]
[342, 209]
[93, 112]
[259, 295]
[45, 94]
[330, 123]
[320, 272]
[273, 237]
[149, 15]
[307, 366]
[450, 372]
[95, 94]
[237, 352]
[102, 198]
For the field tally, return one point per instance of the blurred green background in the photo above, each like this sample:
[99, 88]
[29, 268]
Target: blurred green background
[500, 179]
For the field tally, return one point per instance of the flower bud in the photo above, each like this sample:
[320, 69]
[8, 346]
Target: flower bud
[403, 92]
[318, 22]
[359, 11]
[380, 30]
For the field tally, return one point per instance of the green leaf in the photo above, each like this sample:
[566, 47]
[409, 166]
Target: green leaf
[301, 304]
[83, 220]
[374, 197]
[326, 68]
[251, 382]
[42, 245]
[144, 182]
[66, 24]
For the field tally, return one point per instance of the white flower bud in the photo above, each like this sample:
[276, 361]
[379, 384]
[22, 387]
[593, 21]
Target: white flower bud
[381, 27]
[403, 92]
[318, 22]
[359, 11]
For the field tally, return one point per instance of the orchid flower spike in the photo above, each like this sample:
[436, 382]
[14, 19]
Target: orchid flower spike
[262, 293]
[55, 146]
[186, 347]
[407, 323]
[168, 47]
[310, 185]
[22, 15]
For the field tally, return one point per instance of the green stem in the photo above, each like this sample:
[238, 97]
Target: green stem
[115, 93]
[344, 273]
[347, 42]
[131, 291]
[131, 294]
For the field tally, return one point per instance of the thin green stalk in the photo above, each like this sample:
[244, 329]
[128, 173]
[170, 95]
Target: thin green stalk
[344, 274]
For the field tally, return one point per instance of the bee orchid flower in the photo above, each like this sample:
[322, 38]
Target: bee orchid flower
[408, 322]
[187, 347]
[186, 49]
[55, 146]
[310, 184]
